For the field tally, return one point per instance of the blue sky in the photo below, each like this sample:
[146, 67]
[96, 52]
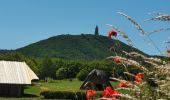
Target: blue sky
[23, 22]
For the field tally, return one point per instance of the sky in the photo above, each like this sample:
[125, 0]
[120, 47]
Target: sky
[23, 22]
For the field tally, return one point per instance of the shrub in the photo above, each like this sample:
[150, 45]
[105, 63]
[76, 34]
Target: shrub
[82, 74]
[62, 73]
[63, 95]
[78, 95]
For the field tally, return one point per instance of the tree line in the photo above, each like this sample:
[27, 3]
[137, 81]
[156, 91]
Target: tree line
[56, 68]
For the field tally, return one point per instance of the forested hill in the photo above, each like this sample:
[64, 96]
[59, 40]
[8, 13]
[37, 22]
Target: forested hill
[87, 47]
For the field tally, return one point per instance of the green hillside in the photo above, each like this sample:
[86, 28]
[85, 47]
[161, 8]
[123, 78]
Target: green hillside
[88, 47]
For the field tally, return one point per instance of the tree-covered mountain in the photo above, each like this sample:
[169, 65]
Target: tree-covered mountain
[88, 47]
[79, 55]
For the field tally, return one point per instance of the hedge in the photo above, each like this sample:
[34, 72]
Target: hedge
[78, 95]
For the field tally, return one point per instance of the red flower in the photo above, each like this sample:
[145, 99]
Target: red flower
[125, 84]
[168, 51]
[138, 78]
[139, 75]
[107, 92]
[112, 32]
[117, 60]
[90, 93]
[110, 93]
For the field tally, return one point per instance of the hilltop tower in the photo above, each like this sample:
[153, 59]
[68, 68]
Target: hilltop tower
[96, 30]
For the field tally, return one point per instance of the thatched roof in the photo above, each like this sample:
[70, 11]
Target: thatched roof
[96, 77]
[12, 72]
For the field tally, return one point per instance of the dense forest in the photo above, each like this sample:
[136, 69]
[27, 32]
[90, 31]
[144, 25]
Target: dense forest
[56, 68]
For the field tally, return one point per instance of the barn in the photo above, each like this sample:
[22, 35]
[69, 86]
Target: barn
[13, 77]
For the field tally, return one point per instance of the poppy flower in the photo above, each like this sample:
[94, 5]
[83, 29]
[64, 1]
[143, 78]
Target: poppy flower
[138, 78]
[115, 94]
[168, 51]
[112, 33]
[90, 93]
[139, 75]
[107, 92]
[117, 60]
[110, 93]
[125, 84]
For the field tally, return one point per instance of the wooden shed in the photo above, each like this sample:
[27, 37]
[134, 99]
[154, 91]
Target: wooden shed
[13, 77]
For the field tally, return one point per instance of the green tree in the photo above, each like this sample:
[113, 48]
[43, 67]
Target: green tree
[12, 56]
[33, 65]
[62, 73]
[82, 74]
[47, 69]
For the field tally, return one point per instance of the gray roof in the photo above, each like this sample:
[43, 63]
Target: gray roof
[12, 72]
[96, 77]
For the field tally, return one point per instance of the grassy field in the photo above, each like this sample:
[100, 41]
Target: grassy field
[73, 85]
[33, 92]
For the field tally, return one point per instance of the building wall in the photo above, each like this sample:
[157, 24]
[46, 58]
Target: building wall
[11, 90]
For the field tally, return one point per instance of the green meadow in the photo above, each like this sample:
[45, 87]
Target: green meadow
[33, 92]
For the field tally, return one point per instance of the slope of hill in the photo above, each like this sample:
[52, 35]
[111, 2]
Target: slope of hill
[88, 47]
[4, 51]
